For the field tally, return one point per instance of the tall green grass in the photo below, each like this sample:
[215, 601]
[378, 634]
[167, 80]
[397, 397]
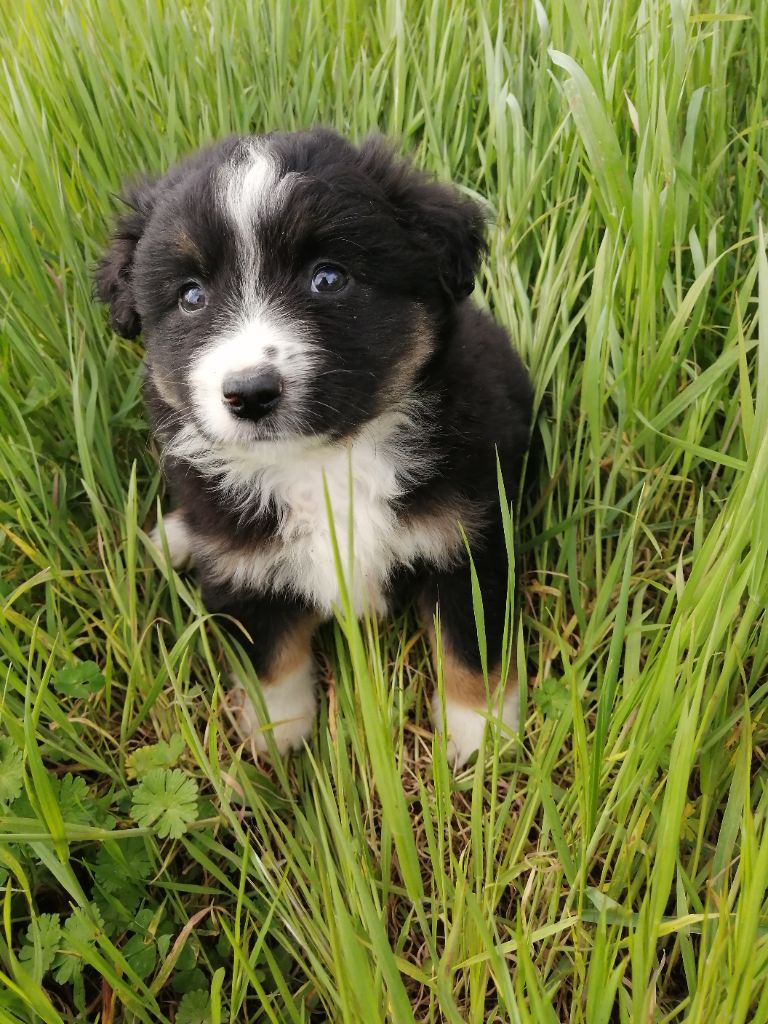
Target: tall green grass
[612, 864]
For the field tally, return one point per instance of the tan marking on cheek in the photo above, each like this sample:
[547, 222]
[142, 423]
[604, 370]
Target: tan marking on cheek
[292, 652]
[164, 388]
[422, 346]
[423, 343]
[184, 246]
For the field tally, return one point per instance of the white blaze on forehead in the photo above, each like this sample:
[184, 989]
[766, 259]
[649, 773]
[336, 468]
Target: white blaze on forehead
[250, 186]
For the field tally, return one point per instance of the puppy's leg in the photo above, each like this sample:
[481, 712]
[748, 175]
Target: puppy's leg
[468, 701]
[287, 681]
[279, 644]
[178, 537]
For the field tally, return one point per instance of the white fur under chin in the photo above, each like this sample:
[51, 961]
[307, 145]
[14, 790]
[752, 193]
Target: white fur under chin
[177, 537]
[293, 476]
[465, 725]
[291, 706]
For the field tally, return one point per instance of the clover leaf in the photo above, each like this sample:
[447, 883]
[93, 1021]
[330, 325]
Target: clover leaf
[194, 1008]
[155, 755]
[148, 943]
[167, 800]
[120, 863]
[82, 680]
[73, 798]
[80, 929]
[47, 929]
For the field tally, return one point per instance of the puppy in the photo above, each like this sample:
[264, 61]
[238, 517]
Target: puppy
[305, 307]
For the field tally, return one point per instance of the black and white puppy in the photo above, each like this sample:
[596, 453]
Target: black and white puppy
[305, 308]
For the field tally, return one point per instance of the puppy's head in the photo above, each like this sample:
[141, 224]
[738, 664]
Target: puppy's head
[289, 285]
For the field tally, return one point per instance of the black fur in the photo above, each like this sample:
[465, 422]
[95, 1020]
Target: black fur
[413, 247]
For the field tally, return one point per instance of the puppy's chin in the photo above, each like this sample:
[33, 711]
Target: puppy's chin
[269, 429]
[230, 433]
[242, 445]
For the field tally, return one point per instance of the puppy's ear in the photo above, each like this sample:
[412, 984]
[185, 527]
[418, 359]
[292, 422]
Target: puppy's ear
[114, 272]
[449, 226]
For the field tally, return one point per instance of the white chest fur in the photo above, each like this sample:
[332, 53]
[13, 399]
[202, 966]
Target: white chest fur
[361, 482]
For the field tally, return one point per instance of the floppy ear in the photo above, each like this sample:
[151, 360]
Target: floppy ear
[114, 273]
[450, 227]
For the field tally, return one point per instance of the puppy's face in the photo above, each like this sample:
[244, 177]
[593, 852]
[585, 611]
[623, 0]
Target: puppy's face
[288, 286]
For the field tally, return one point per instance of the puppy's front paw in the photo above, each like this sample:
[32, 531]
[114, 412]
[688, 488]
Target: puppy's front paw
[464, 724]
[291, 706]
[178, 537]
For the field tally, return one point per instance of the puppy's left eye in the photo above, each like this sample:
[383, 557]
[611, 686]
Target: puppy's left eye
[192, 297]
[329, 277]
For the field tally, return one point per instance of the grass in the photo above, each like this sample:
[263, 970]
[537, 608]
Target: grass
[612, 863]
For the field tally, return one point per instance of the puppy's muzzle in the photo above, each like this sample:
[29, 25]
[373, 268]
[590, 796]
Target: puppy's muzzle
[252, 394]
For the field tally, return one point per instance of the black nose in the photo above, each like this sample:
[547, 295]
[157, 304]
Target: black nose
[252, 394]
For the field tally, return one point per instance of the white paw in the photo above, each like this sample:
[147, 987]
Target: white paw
[178, 537]
[291, 706]
[465, 725]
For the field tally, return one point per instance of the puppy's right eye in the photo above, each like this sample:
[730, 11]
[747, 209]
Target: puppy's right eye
[192, 297]
[328, 277]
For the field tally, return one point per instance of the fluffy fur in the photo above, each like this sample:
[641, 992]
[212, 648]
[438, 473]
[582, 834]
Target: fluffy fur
[341, 276]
